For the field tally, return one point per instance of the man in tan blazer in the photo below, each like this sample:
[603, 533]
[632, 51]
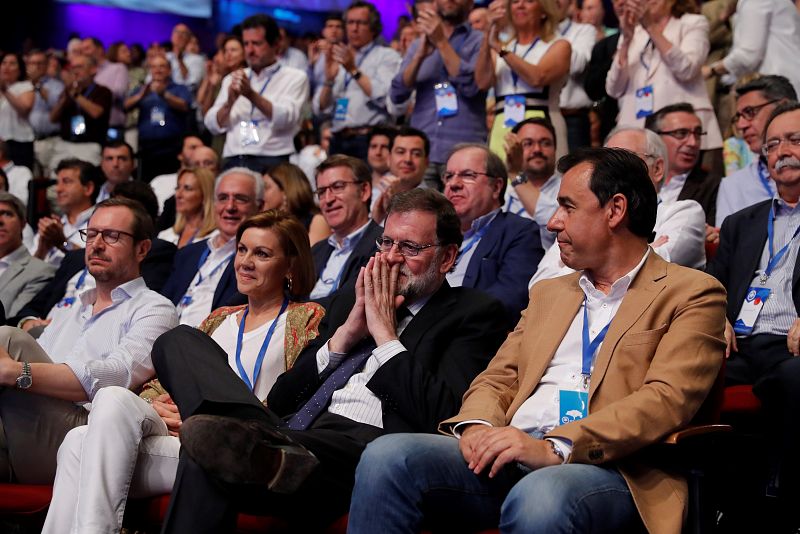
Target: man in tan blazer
[603, 363]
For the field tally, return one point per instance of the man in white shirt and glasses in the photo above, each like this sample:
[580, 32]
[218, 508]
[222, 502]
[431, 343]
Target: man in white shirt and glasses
[101, 338]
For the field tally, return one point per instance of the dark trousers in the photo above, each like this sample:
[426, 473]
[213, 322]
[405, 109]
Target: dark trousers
[21, 153]
[259, 164]
[578, 129]
[765, 362]
[355, 146]
[195, 371]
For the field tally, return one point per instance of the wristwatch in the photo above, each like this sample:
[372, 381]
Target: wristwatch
[504, 52]
[356, 75]
[556, 450]
[521, 178]
[25, 380]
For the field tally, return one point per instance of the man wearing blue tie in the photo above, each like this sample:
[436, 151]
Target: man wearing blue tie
[395, 353]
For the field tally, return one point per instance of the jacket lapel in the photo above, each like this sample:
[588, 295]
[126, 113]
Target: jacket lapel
[642, 292]
[428, 316]
[483, 250]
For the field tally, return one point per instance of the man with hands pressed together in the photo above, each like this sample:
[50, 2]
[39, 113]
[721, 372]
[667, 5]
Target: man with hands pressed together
[757, 263]
[258, 108]
[602, 364]
[357, 79]
[394, 354]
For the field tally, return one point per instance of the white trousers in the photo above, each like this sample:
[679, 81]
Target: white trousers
[124, 450]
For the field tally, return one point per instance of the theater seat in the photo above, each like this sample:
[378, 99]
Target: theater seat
[24, 499]
[740, 399]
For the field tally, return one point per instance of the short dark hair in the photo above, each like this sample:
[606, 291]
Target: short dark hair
[23, 71]
[118, 143]
[653, 122]
[495, 167]
[539, 121]
[4, 177]
[448, 225]
[87, 173]
[271, 31]
[780, 109]
[333, 15]
[408, 131]
[143, 226]
[385, 130]
[141, 193]
[97, 42]
[618, 171]
[375, 24]
[360, 169]
[771, 86]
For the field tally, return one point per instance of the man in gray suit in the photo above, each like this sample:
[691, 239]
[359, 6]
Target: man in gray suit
[21, 275]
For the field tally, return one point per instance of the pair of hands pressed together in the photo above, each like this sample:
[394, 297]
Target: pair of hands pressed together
[374, 311]
[431, 29]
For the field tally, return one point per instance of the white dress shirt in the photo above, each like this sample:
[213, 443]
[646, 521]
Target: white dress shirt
[766, 39]
[294, 58]
[14, 127]
[195, 66]
[164, 187]
[670, 190]
[546, 206]
[379, 64]
[287, 90]
[18, 178]
[196, 303]
[744, 188]
[110, 348]
[582, 37]
[355, 400]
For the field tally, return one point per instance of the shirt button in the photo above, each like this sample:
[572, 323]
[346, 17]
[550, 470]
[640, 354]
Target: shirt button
[605, 305]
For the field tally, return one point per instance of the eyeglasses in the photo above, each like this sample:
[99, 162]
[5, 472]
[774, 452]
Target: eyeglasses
[241, 200]
[772, 144]
[409, 249]
[337, 188]
[543, 143]
[353, 22]
[750, 112]
[110, 237]
[468, 177]
[682, 133]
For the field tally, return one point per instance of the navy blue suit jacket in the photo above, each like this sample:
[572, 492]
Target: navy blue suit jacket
[504, 261]
[185, 267]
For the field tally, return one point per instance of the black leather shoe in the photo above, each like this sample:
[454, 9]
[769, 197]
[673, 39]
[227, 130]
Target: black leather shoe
[246, 452]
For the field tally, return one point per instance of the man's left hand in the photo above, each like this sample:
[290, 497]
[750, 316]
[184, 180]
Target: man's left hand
[500, 446]
[9, 369]
[380, 299]
[344, 55]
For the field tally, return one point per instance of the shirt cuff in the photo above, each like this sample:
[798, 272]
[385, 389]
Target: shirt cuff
[563, 447]
[327, 358]
[388, 350]
[457, 432]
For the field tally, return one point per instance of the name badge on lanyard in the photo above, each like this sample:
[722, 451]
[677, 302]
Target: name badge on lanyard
[340, 109]
[446, 101]
[248, 133]
[77, 125]
[645, 101]
[513, 110]
[157, 116]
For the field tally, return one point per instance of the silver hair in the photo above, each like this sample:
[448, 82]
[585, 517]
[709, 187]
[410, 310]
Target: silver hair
[653, 144]
[258, 180]
[16, 204]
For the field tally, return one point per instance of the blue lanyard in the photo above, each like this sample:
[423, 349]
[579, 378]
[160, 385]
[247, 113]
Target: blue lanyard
[764, 177]
[473, 241]
[564, 32]
[510, 203]
[589, 348]
[338, 279]
[774, 259]
[641, 55]
[514, 75]
[201, 262]
[81, 279]
[88, 90]
[347, 77]
[261, 92]
[261, 353]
